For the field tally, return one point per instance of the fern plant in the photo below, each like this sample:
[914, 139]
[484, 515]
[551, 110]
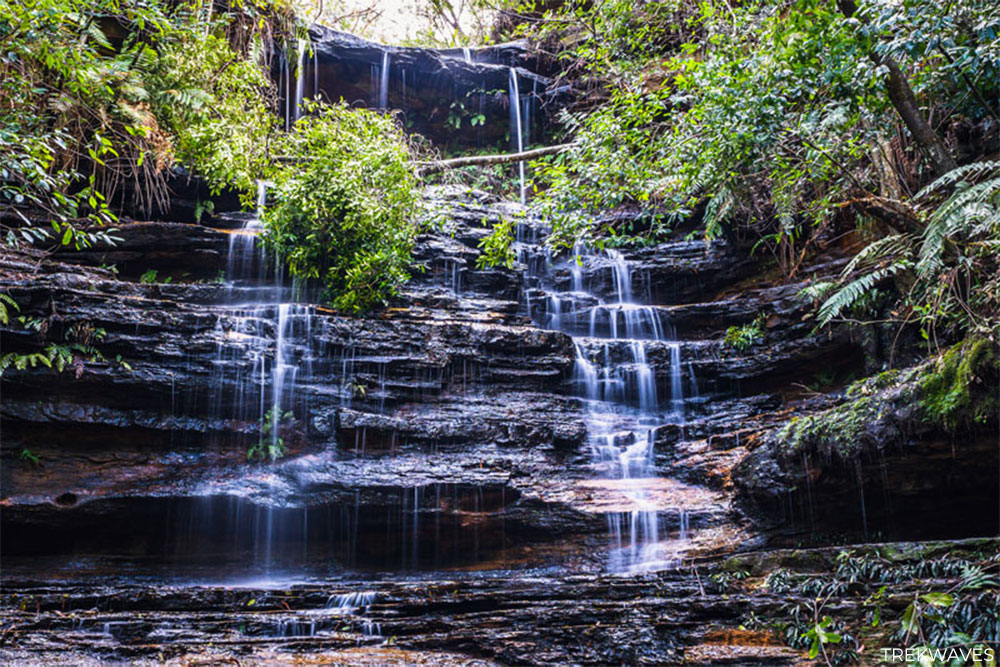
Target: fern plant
[949, 271]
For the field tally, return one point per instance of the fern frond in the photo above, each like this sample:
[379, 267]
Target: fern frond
[969, 211]
[892, 246]
[5, 301]
[958, 174]
[851, 293]
[817, 291]
[717, 210]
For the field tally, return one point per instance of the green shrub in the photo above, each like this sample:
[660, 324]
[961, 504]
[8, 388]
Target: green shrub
[498, 247]
[744, 337]
[344, 212]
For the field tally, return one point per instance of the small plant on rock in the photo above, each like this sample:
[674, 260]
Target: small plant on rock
[498, 247]
[743, 338]
[270, 446]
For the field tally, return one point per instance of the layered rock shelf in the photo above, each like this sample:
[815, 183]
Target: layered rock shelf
[525, 465]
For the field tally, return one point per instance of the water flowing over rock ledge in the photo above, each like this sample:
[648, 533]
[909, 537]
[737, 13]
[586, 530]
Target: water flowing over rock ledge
[436, 92]
[484, 450]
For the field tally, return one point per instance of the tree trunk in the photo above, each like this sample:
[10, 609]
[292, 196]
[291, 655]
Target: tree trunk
[901, 96]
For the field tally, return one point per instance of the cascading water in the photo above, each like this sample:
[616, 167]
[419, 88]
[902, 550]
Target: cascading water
[383, 85]
[267, 329]
[516, 126]
[612, 372]
[300, 81]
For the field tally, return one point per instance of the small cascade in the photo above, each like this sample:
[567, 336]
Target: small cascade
[676, 380]
[383, 85]
[517, 126]
[613, 340]
[300, 81]
[467, 54]
[246, 261]
[263, 351]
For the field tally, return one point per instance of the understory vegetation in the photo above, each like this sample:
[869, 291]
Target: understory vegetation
[935, 597]
[104, 104]
[788, 124]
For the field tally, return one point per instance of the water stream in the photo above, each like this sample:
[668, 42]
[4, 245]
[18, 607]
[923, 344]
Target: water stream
[383, 85]
[517, 126]
[624, 409]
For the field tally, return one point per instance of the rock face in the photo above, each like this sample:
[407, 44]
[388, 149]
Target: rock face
[875, 460]
[457, 98]
[446, 434]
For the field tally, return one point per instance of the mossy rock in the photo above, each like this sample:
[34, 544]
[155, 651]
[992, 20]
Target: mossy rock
[954, 393]
[960, 390]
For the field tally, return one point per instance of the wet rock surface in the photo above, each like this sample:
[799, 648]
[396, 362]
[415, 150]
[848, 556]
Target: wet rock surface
[507, 620]
[438, 453]
[421, 85]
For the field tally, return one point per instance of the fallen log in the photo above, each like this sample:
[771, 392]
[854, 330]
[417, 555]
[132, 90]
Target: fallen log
[435, 166]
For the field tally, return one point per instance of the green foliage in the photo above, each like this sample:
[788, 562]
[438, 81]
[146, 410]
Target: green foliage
[457, 111]
[743, 338]
[953, 601]
[151, 276]
[79, 346]
[498, 247]
[217, 106]
[270, 446]
[948, 276]
[29, 457]
[762, 114]
[96, 95]
[821, 634]
[345, 215]
[7, 304]
[99, 95]
[723, 108]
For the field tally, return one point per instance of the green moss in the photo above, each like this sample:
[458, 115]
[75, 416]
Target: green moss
[840, 429]
[954, 393]
[876, 383]
[961, 388]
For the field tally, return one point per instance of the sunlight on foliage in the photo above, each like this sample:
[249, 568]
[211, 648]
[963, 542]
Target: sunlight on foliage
[344, 212]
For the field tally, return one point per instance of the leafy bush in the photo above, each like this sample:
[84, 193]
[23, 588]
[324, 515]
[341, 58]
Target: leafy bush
[219, 124]
[100, 97]
[744, 337]
[764, 114]
[498, 247]
[344, 213]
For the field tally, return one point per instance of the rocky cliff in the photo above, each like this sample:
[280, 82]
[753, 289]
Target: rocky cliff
[445, 432]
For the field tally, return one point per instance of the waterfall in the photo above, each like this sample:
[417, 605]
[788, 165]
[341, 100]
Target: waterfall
[623, 410]
[516, 126]
[676, 380]
[284, 85]
[300, 81]
[383, 86]
[467, 54]
[263, 350]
